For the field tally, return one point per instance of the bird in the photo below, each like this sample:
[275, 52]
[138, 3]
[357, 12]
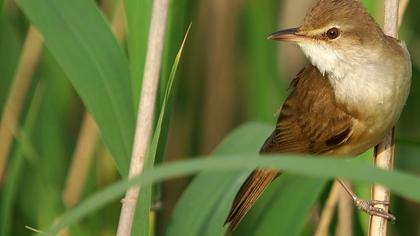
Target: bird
[343, 102]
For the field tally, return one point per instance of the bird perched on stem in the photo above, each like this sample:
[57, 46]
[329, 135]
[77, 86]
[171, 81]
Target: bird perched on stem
[341, 104]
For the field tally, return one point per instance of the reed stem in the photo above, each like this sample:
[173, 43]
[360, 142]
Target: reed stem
[146, 111]
[21, 82]
[384, 152]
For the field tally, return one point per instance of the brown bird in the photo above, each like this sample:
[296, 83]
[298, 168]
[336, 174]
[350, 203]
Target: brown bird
[342, 103]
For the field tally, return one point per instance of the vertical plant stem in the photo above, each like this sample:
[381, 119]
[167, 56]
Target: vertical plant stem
[18, 90]
[384, 158]
[118, 22]
[328, 211]
[384, 152]
[81, 160]
[391, 18]
[219, 99]
[401, 11]
[345, 214]
[146, 111]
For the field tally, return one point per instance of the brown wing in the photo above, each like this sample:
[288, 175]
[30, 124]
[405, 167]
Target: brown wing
[310, 121]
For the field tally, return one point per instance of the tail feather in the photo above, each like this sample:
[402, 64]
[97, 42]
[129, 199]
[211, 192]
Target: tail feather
[250, 191]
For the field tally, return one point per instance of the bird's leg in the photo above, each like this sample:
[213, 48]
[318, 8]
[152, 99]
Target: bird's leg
[368, 206]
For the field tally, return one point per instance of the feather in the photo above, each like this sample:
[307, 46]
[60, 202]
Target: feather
[310, 121]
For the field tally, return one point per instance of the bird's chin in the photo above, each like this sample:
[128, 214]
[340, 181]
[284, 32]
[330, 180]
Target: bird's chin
[321, 55]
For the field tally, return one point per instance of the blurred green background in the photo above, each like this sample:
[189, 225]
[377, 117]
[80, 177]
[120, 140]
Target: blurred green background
[229, 74]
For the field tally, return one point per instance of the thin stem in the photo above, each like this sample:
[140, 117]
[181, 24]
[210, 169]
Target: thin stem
[391, 18]
[345, 213]
[145, 112]
[384, 152]
[13, 107]
[328, 211]
[401, 11]
[118, 22]
[81, 160]
[384, 158]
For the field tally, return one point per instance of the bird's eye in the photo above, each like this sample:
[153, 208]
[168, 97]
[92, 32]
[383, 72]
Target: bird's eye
[333, 33]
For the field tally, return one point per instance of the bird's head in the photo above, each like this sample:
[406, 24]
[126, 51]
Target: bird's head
[335, 33]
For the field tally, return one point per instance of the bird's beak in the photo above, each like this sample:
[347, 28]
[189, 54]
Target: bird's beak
[287, 35]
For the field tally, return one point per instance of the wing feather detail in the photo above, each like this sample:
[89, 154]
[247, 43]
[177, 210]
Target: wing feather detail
[310, 121]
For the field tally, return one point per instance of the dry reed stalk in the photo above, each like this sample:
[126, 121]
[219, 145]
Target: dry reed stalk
[384, 152]
[401, 11]
[21, 82]
[384, 158]
[328, 211]
[146, 109]
[345, 213]
[118, 22]
[81, 160]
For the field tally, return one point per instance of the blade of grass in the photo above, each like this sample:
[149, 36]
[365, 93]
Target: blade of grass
[176, 28]
[83, 152]
[8, 196]
[82, 43]
[187, 219]
[145, 198]
[174, 37]
[46, 173]
[285, 208]
[138, 15]
[352, 170]
[279, 202]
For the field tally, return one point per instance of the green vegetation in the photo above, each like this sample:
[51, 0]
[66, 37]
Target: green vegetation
[224, 75]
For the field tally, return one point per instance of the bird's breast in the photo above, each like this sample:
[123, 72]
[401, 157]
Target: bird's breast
[376, 95]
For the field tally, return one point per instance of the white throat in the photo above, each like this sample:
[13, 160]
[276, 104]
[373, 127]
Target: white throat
[358, 76]
[330, 61]
[361, 78]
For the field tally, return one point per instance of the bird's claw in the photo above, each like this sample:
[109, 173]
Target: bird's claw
[369, 207]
